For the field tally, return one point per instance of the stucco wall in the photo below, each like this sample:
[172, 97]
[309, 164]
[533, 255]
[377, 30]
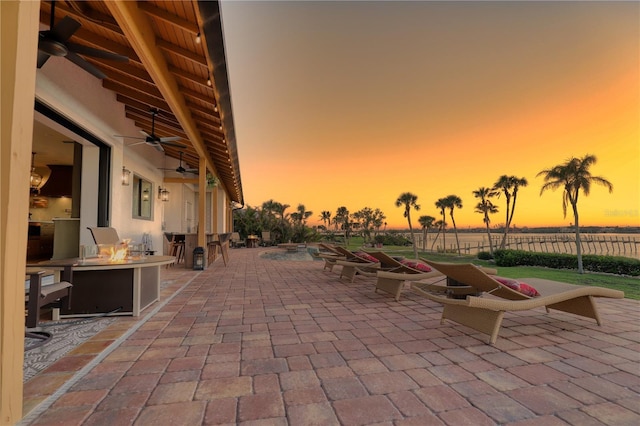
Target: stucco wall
[80, 97]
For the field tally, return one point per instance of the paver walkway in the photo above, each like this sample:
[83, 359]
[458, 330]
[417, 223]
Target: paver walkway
[267, 342]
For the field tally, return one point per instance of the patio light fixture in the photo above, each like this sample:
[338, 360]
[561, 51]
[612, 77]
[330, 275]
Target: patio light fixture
[126, 175]
[163, 194]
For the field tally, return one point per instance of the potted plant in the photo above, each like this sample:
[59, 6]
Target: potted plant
[211, 181]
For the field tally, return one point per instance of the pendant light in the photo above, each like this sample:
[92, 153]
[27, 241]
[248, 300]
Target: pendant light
[35, 179]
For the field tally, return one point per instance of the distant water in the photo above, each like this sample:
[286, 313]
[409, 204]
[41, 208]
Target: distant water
[627, 245]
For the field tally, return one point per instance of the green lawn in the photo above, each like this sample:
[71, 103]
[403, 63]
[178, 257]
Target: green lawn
[630, 286]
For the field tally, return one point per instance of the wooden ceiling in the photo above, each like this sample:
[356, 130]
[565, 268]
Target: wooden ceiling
[168, 69]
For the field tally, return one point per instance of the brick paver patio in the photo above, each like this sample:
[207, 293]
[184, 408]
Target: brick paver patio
[267, 342]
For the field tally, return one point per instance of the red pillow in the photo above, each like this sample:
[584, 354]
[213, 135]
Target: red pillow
[416, 265]
[366, 256]
[516, 285]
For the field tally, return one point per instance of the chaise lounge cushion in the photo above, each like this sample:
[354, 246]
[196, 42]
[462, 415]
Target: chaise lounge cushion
[520, 286]
[416, 265]
[366, 256]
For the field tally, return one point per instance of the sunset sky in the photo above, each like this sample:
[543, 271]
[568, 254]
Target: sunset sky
[352, 103]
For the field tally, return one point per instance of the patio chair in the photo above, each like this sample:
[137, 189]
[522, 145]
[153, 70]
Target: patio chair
[485, 313]
[266, 239]
[104, 235]
[236, 241]
[394, 273]
[39, 295]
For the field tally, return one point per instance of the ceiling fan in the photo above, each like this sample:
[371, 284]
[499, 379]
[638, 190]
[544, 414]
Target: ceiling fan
[54, 42]
[181, 169]
[152, 139]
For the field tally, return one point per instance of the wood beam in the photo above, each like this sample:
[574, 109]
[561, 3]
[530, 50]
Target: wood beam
[150, 101]
[183, 53]
[109, 67]
[19, 42]
[193, 181]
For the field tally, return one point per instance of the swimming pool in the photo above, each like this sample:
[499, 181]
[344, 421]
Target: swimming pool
[302, 255]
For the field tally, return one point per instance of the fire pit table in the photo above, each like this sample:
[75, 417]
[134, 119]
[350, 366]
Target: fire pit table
[102, 286]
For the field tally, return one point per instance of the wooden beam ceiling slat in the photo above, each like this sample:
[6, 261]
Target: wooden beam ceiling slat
[162, 117]
[208, 114]
[177, 131]
[148, 100]
[96, 41]
[134, 84]
[156, 12]
[199, 96]
[184, 53]
[201, 81]
[119, 67]
[157, 101]
[107, 22]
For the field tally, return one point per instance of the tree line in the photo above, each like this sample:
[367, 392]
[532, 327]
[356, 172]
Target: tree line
[572, 176]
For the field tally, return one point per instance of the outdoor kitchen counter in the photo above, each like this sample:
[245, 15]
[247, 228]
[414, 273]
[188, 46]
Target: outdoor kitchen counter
[104, 287]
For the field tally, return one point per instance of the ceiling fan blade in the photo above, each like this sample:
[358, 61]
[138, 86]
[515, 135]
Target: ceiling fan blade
[134, 144]
[157, 146]
[64, 29]
[146, 134]
[172, 144]
[42, 58]
[96, 53]
[170, 139]
[129, 137]
[85, 65]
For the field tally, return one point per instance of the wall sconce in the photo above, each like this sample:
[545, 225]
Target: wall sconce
[126, 175]
[163, 194]
[145, 195]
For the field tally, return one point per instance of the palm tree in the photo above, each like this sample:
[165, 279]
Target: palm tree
[409, 200]
[486, 207]
[509, 186]
[453, 201]
[342, 218]
[427, 223]
[440, 224]
[325, 216]
[442, 205]
[573, 175]
[301, 215]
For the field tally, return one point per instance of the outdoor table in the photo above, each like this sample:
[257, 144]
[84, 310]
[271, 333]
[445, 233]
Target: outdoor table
[101, 286]
[252, 241]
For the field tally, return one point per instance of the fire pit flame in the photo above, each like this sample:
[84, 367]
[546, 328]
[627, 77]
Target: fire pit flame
[118, 255]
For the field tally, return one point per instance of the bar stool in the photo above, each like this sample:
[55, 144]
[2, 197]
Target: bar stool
[176, 248]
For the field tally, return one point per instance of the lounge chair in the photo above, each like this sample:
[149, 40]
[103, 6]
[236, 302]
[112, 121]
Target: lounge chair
[484, 313]
[356, 263]
[330, 255]
[394, 273]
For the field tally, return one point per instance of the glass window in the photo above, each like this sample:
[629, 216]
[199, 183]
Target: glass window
[142, 198]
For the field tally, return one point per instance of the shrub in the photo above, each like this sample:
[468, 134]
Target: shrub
[594, 263]
[485, 255]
